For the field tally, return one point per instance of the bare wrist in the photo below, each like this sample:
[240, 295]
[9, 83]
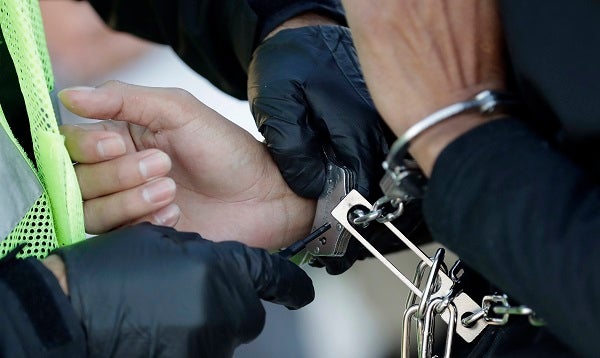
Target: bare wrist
[302, 20]
[56, 265]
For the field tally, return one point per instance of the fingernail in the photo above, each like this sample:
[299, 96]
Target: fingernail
[78, 88]
[110, 147]
[62, 92]
[155, 164]
[159, 190]
[168, 216]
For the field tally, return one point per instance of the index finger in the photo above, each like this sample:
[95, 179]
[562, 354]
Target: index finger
[92, 143]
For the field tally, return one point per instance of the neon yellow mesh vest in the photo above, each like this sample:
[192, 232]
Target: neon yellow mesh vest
[56, 218]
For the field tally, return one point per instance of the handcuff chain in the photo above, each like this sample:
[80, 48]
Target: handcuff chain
[425, 311]
[381, 212]
[496, 310]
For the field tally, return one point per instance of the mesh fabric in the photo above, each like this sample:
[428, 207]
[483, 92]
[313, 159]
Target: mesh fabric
[57, 216]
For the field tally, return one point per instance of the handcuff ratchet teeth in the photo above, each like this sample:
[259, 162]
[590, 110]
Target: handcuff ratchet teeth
[339, 181]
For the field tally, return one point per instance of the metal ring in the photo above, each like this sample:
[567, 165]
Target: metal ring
[366, 218]
[435, 268]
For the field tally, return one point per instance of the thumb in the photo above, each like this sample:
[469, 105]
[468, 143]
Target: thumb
[155, 108]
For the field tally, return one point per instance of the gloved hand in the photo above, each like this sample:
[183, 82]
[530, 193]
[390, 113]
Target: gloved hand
[153, 291]
[306, 93]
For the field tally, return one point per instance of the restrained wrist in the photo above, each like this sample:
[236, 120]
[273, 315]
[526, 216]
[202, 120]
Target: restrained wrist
[486, 104]
[440, 132]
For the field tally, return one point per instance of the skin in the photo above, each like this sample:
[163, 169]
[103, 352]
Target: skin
[419, 56]
[167, 158]
[82, 46]
[110, 157]
[101, 195]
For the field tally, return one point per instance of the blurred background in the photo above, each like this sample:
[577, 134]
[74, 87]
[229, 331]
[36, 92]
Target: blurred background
[356, 314]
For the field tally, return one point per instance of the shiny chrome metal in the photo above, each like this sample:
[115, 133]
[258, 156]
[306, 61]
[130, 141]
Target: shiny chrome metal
[433, 274]
[339, 181]
[484, 102]
[462, 301]
[473, 317]
[407, 319]
[435, 307]
[417, 279]
[378, 213]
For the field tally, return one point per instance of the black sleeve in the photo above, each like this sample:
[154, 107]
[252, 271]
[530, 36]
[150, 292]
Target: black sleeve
[554, 50]
[215, 38]
[519, 200]
[36, 318]
[527, 218]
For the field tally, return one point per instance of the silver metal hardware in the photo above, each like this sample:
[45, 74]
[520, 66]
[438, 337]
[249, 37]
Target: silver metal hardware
[463, 302]
[424, 313]
[379, 212]
[421, 267]
[403, 179]
[429, 286]
[407, 319]
[496, 310]
[339, 181]
[435, 307]
[485, 102]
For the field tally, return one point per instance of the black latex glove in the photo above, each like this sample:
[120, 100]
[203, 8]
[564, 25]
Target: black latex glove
[307, 92]
[152, 291]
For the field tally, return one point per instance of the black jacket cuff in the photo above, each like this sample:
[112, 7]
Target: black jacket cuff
[37, 319]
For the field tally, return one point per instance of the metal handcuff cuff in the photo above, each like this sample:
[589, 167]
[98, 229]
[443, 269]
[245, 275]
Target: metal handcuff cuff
[403, 182]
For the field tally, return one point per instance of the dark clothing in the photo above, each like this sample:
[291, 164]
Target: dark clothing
[532, 233]
[215, 38]
[11, 99]
[36, 318]
[518, 199]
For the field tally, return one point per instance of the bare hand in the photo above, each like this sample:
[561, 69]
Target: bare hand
[227, 187]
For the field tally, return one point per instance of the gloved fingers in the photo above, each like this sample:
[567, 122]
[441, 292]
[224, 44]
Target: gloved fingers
[307, 94]
[281, 117]
[295, 149]
[349, 117]
[155, 108]
[275, 278]
[276, 80]
[149, 201]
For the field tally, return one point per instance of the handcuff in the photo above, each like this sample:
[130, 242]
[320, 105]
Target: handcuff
[441, 294]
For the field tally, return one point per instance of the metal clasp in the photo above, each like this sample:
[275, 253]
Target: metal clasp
[496, 310]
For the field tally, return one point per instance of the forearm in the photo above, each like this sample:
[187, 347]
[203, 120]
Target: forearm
[524, 216]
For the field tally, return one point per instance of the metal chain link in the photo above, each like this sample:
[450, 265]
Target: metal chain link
[496, 310]
[384, 210]
[425, 311]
